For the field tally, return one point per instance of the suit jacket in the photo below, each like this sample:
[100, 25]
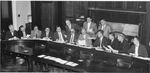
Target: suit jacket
[106, 30]
[9, 35]
[20, 34]
[97, 42]
[28, 28]
[73, 26]
[34, 34]
[56, 36]
[141, 50]
[50, 35]
[93, 26]
[124, 46]
[75, 37]
[88, 41]
[114, 44]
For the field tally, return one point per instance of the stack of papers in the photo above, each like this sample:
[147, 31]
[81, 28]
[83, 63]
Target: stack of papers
[58, 60]
[71, 64]
[40, 56]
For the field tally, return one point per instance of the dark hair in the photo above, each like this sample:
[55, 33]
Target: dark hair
[29, 15]
[89, 17]
[137, 38]
[20, 27]
[112, 34]
[101, 20]
[100, 31]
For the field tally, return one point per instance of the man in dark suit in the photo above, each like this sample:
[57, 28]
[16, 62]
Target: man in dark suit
[11, 34]
[60, 35]
[72, 37]
[47, 34]
[123, 44]
[100, 41]
[113, 42]
[138, 49]
[28, 25]
[70, 26]
[90, 27]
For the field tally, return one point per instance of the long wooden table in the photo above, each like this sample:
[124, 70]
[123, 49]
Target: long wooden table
[91, 61]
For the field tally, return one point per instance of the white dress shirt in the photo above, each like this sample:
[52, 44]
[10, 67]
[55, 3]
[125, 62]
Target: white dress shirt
[60, 37]
[88, 29]
[72, 38]
[101, 42]
[136, 50]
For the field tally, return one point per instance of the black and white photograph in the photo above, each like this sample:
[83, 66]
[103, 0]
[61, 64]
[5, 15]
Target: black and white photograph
[69, 36]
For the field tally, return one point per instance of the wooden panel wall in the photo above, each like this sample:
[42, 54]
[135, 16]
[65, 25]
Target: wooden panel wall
[116, 5]
[75, 8]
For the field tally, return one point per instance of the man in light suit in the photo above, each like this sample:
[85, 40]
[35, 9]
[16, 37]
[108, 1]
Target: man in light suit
[84, 39]
[105, 27]
[36, 33]
[138, 49]
[90, 27]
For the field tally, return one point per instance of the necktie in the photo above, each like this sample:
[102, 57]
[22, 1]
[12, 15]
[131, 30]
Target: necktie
[60, 37]
[24, 34]
[72, 38]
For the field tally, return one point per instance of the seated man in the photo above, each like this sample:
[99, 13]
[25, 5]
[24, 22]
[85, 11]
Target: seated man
[60, 35]
[22, 33]
[138, 49]
[72, 37]
[83, 39]
[123, 44]
[12, 34]
[113, 42]
[100, 41]
[36, 33]
[47, 34]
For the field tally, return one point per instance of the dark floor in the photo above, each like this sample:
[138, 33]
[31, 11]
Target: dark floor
[8, 65]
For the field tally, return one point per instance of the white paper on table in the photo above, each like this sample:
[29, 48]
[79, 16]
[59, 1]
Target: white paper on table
[98, 49]
[81, 42]
[69, 63]
[74, 64]
[46, 57]
[40, 56]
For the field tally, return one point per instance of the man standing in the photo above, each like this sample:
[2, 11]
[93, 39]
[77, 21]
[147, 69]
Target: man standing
[90, 27]
[29, 25]
[105, 27]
